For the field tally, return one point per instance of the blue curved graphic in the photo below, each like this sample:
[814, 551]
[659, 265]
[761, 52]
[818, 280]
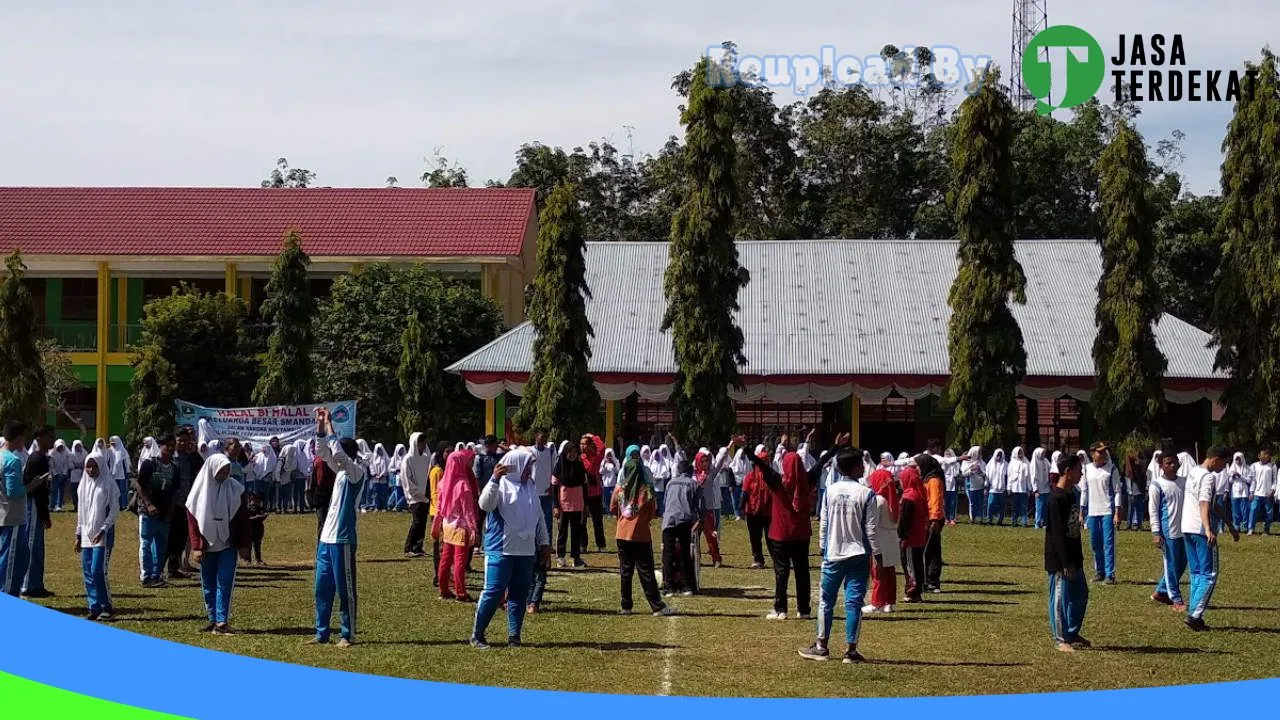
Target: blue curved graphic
[55, 649]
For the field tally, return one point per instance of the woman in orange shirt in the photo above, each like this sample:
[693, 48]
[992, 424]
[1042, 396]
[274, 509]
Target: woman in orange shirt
[635, 503]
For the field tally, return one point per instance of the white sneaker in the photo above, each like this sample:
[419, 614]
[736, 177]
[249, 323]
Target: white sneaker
[775, 615]
[666, 611]
[887, 609]
[869, 609]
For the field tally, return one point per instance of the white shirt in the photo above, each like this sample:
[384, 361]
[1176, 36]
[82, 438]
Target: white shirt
[544, 463]
[97, 506]
[850, 521]
[1264, 479]
[1199, 489]
[1019, 476]
[1164, 503]
[1102, 490]
[1241, 482]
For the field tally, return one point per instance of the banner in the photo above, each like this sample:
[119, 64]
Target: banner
[258, 425]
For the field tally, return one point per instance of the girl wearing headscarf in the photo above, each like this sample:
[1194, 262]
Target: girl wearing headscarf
[265, 462]
[1239, 479]
[997, 486]
[1019, 487]
[379, 467]
[97, 507]
[60, 469]
[733, 498]
[413, 479]
[147, 452]
[397, 501]
[706, 475]
[975, 484]
[457, 525]
[1040, 484]
[217, 528]
[913, 531]
[884, 576]
[951, 491]
[515, 539]
[434, 476]
[78, 457]
[868, 465]
[1135, 485]
[298, 486]
[121, 469]
[569, 480]
[755, 506]
[662, 469]
[610, 469]
[336, 552]
[634, 504]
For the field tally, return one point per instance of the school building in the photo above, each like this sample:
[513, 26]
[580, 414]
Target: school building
[852, 335]
[95, 256]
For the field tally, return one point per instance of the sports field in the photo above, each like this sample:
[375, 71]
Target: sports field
[986, 633]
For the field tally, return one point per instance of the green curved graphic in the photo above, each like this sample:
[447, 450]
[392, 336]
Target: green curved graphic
[46, 701]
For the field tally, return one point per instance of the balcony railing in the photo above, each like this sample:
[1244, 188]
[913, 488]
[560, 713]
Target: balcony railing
[83, 337]
[72, 338]
[124, 337]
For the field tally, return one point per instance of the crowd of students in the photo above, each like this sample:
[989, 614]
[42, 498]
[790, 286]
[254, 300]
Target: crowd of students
[202, 504]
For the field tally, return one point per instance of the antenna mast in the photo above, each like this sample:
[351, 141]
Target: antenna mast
[1029, 18]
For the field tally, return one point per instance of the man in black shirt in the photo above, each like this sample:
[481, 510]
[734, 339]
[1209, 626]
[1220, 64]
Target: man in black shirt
[1064, 559]
[38, 519]
[187, 464]
[155, 487]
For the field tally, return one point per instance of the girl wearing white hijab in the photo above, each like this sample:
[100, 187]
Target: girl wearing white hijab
[1241, 487]
[78, 457]
[150, 450]
[1040, 470]
[1020, 487]
[664, 467]
[997, 486]
[975, 484]
[284, 477]
[950, 487]
[397, 501]
[97, 507]
[609, 471]
[121, 468]
[515, 538]
[379, 468]
[218, 528]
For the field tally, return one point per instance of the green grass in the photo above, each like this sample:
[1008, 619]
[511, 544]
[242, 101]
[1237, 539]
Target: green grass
[987, 633]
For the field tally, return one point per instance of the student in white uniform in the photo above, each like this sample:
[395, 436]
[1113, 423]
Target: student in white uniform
[1240, 483]
[1040, 469]
[975, 484]
[1164, 505]
[1264, 487]
[1198, 521]
[1101, 505]
[997, 486]
[1019, 487]
[951, 488]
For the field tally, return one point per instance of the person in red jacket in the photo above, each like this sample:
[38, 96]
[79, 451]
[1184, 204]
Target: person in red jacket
[913, 526]
[592, 449]
[756, 507]
[790, 526]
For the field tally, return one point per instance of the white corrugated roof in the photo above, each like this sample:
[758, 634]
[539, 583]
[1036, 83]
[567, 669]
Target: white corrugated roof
[847, 307]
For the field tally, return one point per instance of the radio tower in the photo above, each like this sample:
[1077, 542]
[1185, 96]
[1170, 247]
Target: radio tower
[1029, 18]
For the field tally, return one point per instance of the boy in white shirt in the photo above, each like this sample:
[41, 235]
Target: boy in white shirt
[1164, 505]
[1200, 513]
[1101, 501]
[1264, 486]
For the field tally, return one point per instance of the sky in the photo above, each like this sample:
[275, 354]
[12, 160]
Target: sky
[210, 94]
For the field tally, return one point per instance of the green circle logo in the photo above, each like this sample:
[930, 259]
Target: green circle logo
[1062, 67]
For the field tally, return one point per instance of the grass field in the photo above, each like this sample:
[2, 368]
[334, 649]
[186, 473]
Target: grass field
[986, 633]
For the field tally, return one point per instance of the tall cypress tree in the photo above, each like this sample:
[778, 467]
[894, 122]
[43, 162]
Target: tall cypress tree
[1245, 319]
[560, 397]
[418, 374]
[22, 379]
[985, 343]
[286, 377]
[1128, 398]
[704, 276]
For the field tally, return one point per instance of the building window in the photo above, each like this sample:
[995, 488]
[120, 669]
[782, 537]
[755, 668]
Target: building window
[893, 409]
[1059, 424]
[80, 299]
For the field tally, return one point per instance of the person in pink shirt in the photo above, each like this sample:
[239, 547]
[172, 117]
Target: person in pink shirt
[569, 498]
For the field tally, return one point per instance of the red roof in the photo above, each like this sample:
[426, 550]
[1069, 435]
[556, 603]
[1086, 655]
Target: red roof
[360, 222]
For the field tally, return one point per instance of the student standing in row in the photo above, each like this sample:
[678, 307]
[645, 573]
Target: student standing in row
[218, 529]
[884, 573]
[755, 508]
[1165, 498]
[592, 450]
[1041, 468]
[634, 504]
[1101, 500]
[155, 488]
[913, 525]
[14, 552]
[415, 484]
[997, 471]
[933, 475]
[951, 493]
[544, 462]
[188, 463]
[1064, 559]
[336, 551]
[1240, 484]
[97, 506]
[975, 484]
[569, 480]
[1264, 486]
[850, 546]
[456, 525]
[1200, 514]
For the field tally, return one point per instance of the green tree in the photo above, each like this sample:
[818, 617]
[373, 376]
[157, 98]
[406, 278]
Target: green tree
[1245, 319]
[440, 173]
[284, 176]
[359, 333]
[560, 397]
[704, 276]
[419, 378]
[987, 356]
[194, 346]
[1128, 399]
[1187, 250]
[286, 377]
[60, 379]
[22, 375]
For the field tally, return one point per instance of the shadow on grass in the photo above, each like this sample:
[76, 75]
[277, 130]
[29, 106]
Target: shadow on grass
[931, 608]
[997, 593]
[957, 601]
[993, 565]
[562, 572]
[720, 615]
[736, 593]
[286, 631]
[603, 647]
[1246, 608]
[926, 663]
[118, 612]
[881, 617]
[1152, 650]
[982, 583]
[259, 586]
[1249, 630]
[395, 560]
